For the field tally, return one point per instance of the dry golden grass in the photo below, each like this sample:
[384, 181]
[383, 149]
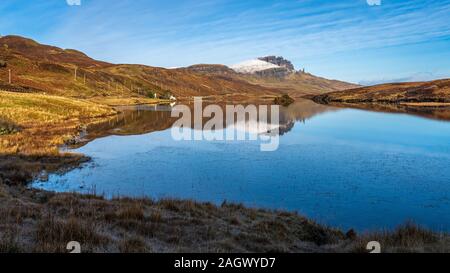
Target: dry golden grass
[52, 235]
[118, 101]
[407, 238]
[27, 109]
[45, 121]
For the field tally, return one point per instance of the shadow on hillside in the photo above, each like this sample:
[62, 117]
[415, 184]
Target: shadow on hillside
[7, 127]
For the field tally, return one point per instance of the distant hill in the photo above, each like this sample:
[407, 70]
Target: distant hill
[414, 92]
[42, 68]
[275, 73]
[427, 99]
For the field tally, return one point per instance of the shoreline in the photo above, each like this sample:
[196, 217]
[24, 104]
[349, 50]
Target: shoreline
[429, 99]
[436, 111]
[39, 221]
[44, 222]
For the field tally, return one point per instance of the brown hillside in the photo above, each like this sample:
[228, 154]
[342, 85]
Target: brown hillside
[42, 68]
[300, 84]
[296, 84]
[16, 45]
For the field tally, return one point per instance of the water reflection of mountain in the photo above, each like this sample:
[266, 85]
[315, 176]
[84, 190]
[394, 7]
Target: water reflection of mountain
[300, 111]
[303, 110]
[135, 120]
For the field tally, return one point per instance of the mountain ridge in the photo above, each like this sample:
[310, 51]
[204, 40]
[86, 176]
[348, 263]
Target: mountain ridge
[68, 72]
[275, 73]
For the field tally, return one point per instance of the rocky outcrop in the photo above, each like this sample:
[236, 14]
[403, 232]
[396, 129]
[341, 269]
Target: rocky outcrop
[211, 69]
[280, 61]
[284, 67]
[279, 73]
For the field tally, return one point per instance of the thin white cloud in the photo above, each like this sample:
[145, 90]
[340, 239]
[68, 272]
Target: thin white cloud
[416, 77]
[178, 33]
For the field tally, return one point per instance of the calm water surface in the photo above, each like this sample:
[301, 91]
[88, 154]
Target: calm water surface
[342, 167]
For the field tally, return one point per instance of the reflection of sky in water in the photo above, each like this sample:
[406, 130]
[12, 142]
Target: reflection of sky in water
[348, 168]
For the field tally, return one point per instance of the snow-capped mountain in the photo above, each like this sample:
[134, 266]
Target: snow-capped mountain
[253, 66]
[270, 66]
[275, 73]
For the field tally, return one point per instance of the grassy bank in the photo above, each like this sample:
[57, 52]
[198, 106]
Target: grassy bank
[119, 101]
[41, 124]
[35, 221]
[45, 121]
[38, 221]
[427, 99]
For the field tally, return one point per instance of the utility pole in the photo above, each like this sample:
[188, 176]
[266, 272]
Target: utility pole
[76, 68]
[9, 76]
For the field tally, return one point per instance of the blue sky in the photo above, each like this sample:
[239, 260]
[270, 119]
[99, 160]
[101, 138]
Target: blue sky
[346, 39]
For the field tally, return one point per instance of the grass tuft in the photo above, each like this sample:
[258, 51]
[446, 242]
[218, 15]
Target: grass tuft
[53, 234]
